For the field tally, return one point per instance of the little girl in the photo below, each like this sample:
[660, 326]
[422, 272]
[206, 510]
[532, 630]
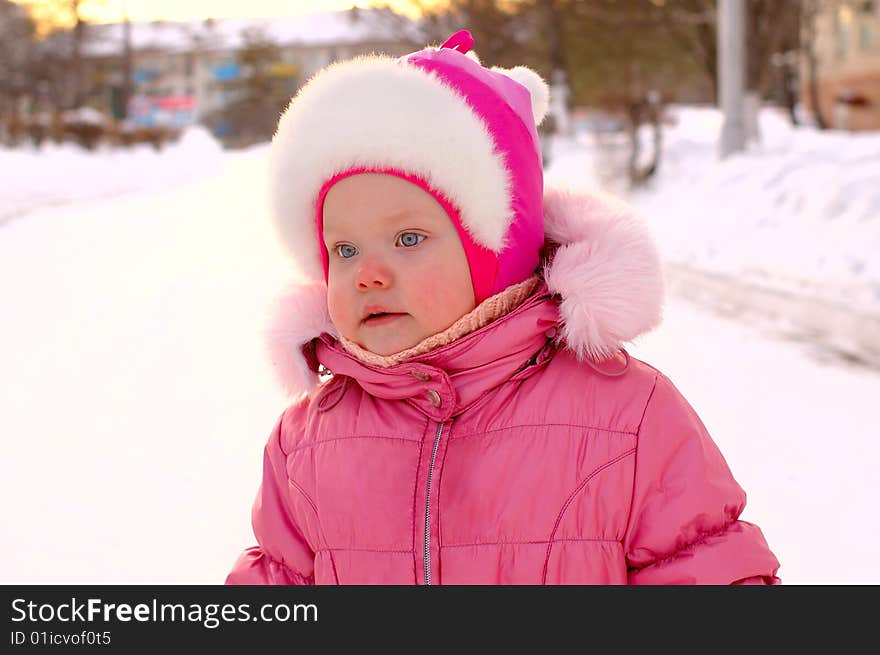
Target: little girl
[481, 423]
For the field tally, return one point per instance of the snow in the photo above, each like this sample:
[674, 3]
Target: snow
[136, 396]
[64, 174]
[799, 212]
[86, 115]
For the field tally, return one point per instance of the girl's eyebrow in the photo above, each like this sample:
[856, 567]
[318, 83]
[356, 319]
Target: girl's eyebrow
[388, 219]
[402, 214]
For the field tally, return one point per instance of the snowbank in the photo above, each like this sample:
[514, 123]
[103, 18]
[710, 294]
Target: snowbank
[61, 174]
[798, 213]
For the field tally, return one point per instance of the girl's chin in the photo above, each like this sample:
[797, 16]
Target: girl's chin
[387, 338]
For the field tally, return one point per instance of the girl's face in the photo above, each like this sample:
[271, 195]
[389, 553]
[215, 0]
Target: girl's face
[397, 272]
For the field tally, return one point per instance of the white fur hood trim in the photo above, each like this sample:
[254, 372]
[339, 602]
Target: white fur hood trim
[606, 270]
[298, 315]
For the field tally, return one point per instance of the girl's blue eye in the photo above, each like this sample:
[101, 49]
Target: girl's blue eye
[346, 251]
[410, 239]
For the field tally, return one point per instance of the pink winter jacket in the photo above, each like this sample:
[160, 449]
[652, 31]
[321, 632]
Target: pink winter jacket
[508, 456]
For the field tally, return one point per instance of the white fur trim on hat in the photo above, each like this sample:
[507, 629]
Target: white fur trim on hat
[379, 112]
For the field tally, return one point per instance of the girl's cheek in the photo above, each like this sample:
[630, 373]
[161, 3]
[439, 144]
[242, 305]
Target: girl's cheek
[427, 282]
[337, 306]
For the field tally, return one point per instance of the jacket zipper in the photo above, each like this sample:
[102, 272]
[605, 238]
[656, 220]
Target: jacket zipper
[428, 506]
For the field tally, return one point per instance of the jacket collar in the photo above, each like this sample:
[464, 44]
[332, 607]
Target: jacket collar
[446, 381]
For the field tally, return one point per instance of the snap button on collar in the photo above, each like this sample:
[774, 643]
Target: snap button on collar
[434, 397]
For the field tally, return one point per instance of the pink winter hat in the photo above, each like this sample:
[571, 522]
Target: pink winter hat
[437, 118]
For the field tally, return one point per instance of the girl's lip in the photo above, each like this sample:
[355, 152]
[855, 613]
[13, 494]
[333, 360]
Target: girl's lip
[376, 321]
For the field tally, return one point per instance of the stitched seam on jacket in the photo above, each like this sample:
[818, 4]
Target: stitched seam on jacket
[301, 579]
[281, 426]
[415, 503]
[280, 563]
[568, 501]
[647, 404]
[297, 576]
[632, 498]
[530, 543]
[468, 435]
[311, 503]
[354, 436]
[699, 541]
[330, 549]
[308, 498]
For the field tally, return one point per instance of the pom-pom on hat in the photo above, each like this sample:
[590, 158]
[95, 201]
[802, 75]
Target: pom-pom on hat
[437, 118]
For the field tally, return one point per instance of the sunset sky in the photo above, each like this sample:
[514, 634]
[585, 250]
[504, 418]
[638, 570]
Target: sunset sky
[104, 11]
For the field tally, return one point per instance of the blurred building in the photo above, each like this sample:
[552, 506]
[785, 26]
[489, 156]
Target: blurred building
[847, 48]
[183, 72]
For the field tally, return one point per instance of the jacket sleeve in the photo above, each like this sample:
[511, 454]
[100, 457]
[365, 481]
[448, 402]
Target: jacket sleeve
[282, 556]
[684, 525]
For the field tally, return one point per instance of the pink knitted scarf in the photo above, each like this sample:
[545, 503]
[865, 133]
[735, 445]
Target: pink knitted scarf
[487, 311]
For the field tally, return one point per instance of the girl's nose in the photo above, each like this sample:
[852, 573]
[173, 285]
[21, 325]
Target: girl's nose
[371, 274]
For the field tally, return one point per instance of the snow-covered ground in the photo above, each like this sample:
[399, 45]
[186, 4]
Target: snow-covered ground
[135, 397]
[56, 175]
[798, 212]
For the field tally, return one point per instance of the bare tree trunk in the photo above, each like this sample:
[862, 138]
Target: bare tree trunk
[559, 78]
[751, 110]
[76, 57]
[810, 11]
[644, 110]
[789, 95]
[692, 25]
[126, 68]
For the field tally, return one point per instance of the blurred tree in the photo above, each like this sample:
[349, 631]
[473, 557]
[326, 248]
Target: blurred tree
[692, 25]
[65, 16]
[507, 33]
[772, 28]
[627, 56]
[615, 54]
[17, 40]
[622, 58]
[257, 96]
[810, 11]
[602, 46]
[621, 46]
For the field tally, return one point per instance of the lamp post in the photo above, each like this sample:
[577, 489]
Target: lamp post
[731, 73]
